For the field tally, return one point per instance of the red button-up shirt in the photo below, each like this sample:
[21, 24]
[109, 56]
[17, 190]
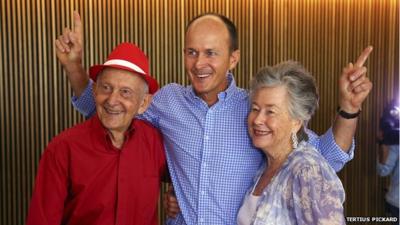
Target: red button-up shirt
[84, 179]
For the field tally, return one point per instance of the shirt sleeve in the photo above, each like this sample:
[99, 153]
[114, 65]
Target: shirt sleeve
[330, 150]
[318, 196]
[50, 191]
[157, 107]
[393, 157]
[85, 103]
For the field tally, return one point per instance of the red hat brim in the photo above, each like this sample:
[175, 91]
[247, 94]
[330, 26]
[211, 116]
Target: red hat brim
[95, 70]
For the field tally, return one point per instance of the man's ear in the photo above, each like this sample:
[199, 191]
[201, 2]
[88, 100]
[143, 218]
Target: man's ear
[234, 59]
[94, 88]
[145, 103]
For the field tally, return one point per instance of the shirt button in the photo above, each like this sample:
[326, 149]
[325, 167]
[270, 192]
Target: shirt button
[201, 220]
[203, 193]
[206, 137]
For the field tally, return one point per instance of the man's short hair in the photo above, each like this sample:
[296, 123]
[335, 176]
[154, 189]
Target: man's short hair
[233, 36]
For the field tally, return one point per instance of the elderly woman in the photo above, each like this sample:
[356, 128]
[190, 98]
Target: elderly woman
[296, 185]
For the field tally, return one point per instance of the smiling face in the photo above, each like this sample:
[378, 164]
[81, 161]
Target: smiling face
[208, 58]
[269, 123]
[119, 97]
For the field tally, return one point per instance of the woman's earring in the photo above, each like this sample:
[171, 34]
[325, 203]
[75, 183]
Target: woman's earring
[295, 142]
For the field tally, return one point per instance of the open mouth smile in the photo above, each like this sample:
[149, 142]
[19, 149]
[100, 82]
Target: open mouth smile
[258, 132]
[112, 112]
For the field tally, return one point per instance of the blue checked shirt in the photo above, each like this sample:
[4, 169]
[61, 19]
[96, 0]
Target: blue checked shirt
[209, 153]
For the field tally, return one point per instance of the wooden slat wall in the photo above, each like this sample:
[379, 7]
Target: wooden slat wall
[324, 35]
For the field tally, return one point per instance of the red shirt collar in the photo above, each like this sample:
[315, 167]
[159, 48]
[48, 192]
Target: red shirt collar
[102, 134]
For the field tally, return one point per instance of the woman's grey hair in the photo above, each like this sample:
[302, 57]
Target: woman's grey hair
[300, 86]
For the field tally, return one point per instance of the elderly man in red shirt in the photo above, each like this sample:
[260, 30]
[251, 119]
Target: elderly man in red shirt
[106, 170]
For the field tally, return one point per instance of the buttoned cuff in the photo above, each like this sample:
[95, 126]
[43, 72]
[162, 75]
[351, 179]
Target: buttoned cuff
[346, 156]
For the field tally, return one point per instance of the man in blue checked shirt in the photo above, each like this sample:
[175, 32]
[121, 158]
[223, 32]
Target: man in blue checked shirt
[209, 154]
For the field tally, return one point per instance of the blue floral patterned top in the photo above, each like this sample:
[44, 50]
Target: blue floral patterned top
[305, 191]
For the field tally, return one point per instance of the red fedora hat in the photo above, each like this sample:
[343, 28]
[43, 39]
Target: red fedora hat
[127, 56]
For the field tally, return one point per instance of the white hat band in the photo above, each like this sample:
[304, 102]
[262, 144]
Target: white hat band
[121, 62]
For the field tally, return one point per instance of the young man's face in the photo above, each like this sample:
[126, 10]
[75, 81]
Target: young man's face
[119, 97]
[207, 56]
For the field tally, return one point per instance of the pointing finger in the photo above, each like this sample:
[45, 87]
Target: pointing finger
[78, 28]
[363, 57]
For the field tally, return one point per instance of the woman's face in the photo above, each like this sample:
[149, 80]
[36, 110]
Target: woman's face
[269, 123]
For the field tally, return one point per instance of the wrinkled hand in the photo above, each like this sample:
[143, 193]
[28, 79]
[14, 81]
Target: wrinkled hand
[69, 46]
[354, 85]
[170, 203]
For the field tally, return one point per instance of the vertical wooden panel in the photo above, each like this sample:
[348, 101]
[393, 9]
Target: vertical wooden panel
[323, 35]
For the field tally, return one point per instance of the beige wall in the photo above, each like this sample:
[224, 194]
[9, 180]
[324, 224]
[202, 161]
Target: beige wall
[324, 35]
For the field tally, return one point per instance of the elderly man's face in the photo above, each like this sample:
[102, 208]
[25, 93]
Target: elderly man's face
[119, 97]
[207, 56]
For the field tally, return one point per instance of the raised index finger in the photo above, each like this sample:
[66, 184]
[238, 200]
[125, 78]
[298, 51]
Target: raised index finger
[78, 24]
[363, 57]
